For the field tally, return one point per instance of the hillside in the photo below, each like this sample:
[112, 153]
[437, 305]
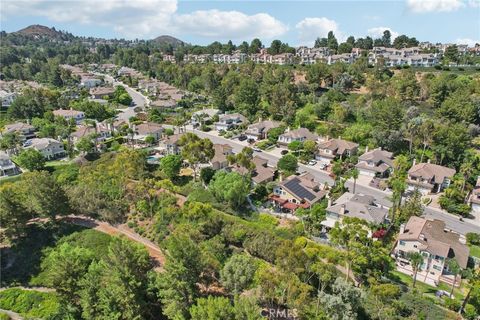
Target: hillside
[168, 40]
[39, 31]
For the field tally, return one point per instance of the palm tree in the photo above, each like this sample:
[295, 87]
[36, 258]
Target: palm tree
[455, 270]
[474, 281]
[416, 260]
[354, 174]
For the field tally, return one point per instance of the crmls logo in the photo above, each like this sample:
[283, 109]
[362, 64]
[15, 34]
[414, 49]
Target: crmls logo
[280, 314]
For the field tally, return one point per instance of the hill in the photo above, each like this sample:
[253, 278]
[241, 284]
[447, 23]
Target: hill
[40, 31]
[168, 40]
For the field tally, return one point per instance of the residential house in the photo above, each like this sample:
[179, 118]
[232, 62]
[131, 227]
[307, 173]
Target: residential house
[78, 116]
[90, 82]
[297, 192]
[146, 129]
[202, 116]
[262, 173]
[25, 131]
[435, 244]
[474, 199]
[50, 148]
[7, 98]
[101, 92]
[375, 163]
[101, 130]
[429, 178]
[358, 206]
[300, 134]
[219, 160]
[163, 104]
[259, 130]
[230, 121]
[7, 167]
[169, 144]
[332, 148]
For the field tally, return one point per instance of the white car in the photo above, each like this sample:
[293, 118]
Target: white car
[312, 162]
[322, 166]
[256, 149]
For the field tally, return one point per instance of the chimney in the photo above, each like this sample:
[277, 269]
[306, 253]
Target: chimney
[414, 162]
[329, 202]
[342, 209]
[428, 161]
[366, 149]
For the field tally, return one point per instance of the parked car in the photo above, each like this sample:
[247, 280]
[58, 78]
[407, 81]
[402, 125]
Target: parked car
[257, 149]
[283, 152]
[322, 166]
[312, 162]
[242, 137]
[251, 140]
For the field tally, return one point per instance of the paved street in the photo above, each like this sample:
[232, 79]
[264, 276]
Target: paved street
[453, 222]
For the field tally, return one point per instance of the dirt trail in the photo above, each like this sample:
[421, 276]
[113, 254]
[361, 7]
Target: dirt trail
[153, 250]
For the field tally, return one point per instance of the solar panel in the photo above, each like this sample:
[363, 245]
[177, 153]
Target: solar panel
[294, 186]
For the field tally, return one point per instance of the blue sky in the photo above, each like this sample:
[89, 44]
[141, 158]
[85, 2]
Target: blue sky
[295, 22]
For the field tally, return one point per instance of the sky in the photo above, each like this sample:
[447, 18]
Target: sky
[294, 22]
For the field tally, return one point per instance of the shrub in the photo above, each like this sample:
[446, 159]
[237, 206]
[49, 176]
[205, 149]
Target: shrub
[473, 238]
[31, 304]
[452, 304]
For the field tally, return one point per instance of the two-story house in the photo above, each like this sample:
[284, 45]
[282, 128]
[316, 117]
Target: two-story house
[230, 121]
[429, 178]
[262, 173]
[7, 167]
[25, 131]
[101, 92]
[331, 149]
[259, 130]
[50, 148]
[435, 244]
[202, 116]
[219, 160]
[146, 129]
[78, 116]
[7, 98]
[375, 163]
[169, 144]
[358, 206]
[100, 131]
[300, 134]
[297, 192]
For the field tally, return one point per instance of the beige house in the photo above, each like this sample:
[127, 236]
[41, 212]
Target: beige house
[146, 129]
[435, 244]
[48, 147]
[375, 163]
[358, 206]
[259, 130]
[474, 199]
[25, 131]
[262, 173]
[169, 144]
[429, 178]
[300, 134]
[7, 167]
[331, 149]
[78, 116]
[101, 130]
[219, 160]
[297, 192]
[230, 121]
[101, 92]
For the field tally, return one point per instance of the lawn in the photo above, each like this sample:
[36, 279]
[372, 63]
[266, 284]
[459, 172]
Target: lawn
[475, 251]
[423, 287]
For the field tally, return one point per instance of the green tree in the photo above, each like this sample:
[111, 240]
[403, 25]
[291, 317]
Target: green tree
[196, 150]
[64, 267]
[416, 261]
[31, 159]
[288, 164]
[230, 187]
[212, 308]
[454, 269]
[85, 145]
[14, 214]
[237, 274]
[171, 165]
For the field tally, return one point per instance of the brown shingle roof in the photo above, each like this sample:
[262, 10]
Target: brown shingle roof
[431, 172]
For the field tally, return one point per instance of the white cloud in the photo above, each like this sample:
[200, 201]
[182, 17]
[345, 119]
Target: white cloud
[474, 3]
[421, 6]
[229, 25]
[377, 32]
[310, 29]
[469, 42]
[148, 18]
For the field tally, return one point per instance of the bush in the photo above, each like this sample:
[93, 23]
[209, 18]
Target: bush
[473, 238]
[470, 312]
[264, 144]
[31, 304]
[452, 304]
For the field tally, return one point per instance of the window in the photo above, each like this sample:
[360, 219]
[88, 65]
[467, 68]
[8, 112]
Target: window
[438, 268]
[402, 243]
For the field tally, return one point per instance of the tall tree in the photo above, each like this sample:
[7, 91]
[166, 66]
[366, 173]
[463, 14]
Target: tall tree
[416, 260]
